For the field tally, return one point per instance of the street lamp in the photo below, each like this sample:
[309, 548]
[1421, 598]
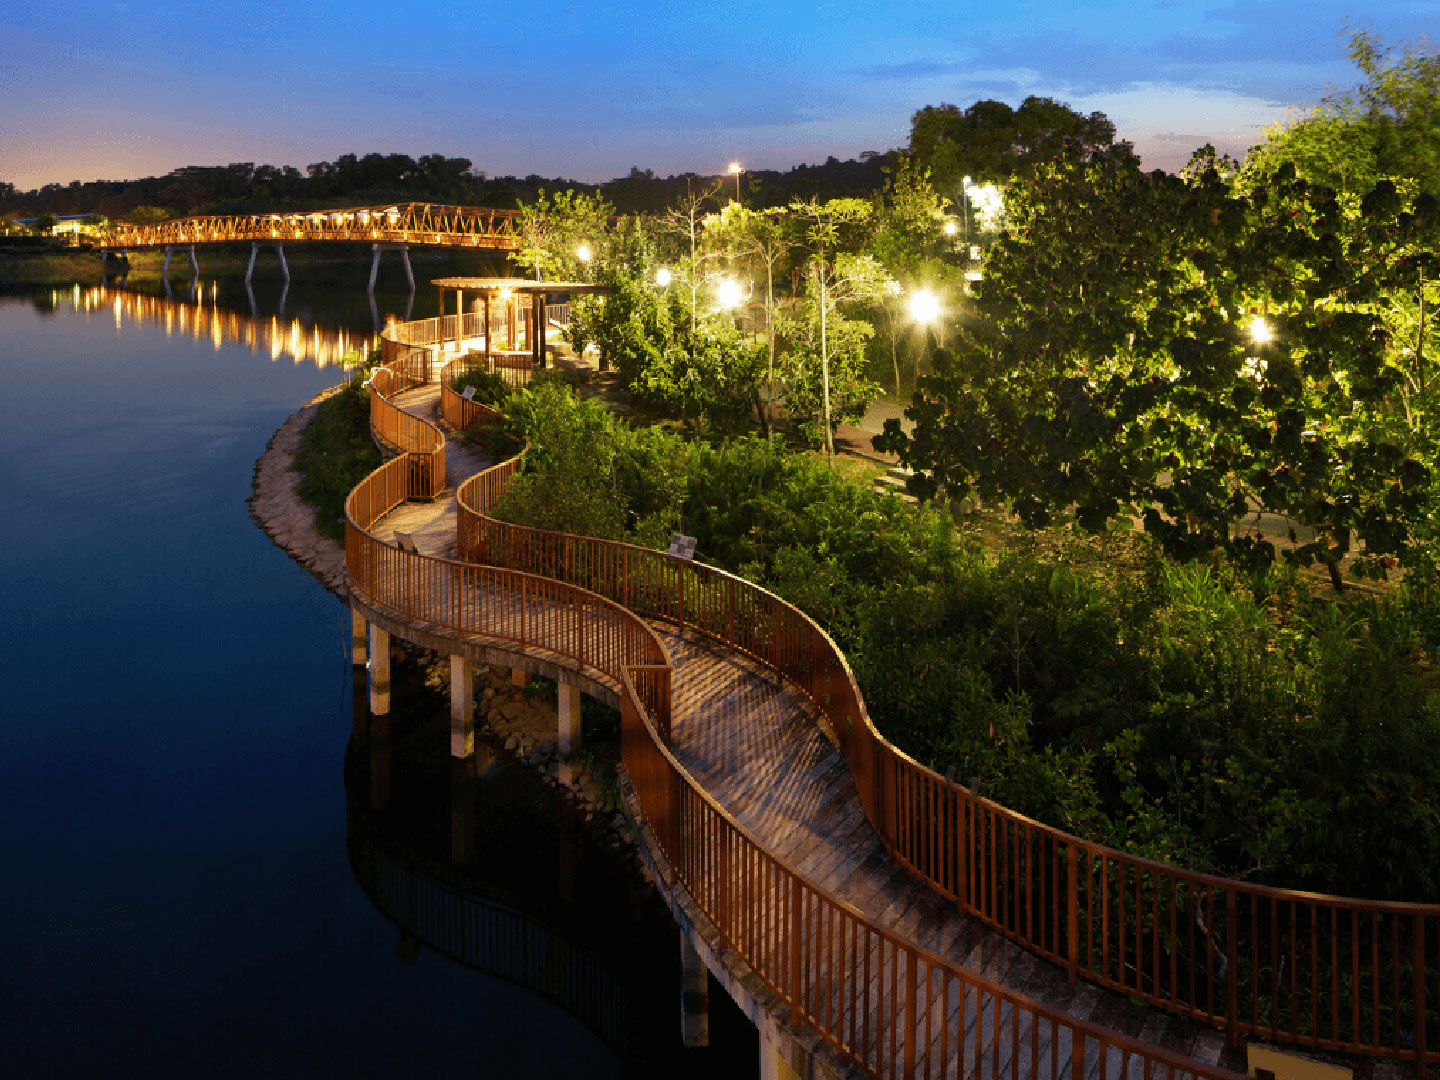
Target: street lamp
[1260, 332]
[950, 227]
[728, 294]
[736, 169]
[583, 253]
[663, 277]
[924, 306]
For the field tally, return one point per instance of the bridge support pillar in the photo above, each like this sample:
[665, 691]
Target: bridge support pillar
[358, 631]
[194, 263]
[165, 270]
[250, 266]
[568, 710]
[379, 669]
[462, 707]
[284, 266]
[519, 678]
[694, 996]
[781, 1058]
[404, 250]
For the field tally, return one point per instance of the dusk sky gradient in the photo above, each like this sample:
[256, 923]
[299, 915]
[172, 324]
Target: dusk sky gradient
[586, 90]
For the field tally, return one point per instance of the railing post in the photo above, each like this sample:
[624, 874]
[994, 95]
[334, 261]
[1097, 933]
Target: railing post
[1232, 958]
[796, 948]
[1420, 1017]
[1072, 911]
[912, 976]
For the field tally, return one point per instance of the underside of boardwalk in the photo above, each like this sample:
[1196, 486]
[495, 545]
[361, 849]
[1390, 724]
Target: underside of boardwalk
[755, 744]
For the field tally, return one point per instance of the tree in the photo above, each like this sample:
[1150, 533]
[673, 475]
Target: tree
[829, 226]
[763, 238]
[1153, 347]
[1387, 128]
[553, 227]
[990, 141]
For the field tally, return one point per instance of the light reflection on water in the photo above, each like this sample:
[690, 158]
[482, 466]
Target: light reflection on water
[197, 314]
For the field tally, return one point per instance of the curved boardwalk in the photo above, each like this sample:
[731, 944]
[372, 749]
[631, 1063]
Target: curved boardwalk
[752, 742]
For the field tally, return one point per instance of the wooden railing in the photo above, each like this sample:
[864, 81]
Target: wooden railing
[421, 441]
[425, 224]
[1339, 974]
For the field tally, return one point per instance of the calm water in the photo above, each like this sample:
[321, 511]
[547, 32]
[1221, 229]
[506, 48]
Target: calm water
[177, 894]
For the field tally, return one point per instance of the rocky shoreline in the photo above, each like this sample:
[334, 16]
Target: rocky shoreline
[518, 725]
[288, 520]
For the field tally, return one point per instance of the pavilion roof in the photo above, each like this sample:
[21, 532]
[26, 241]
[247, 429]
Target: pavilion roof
[525, 286]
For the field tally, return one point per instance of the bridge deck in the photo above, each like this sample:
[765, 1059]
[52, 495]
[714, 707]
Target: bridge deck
[755, 746]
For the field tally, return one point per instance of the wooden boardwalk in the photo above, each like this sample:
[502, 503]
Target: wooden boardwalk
[754, 744]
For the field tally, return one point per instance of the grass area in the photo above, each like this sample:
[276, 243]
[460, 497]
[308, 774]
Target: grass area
[336, 453]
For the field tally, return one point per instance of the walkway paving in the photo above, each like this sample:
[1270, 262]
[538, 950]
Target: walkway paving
[433, 524]
[757, 749]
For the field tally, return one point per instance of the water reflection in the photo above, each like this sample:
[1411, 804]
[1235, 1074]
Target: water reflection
[197, 313]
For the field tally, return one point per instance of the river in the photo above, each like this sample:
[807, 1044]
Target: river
[178, 894]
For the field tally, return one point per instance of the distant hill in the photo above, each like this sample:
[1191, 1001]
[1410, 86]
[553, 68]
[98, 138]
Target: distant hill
[378, 179]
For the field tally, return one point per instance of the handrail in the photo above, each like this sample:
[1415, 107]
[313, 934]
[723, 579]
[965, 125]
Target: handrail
[424, 224]
[893, 1008]
[1334, 973]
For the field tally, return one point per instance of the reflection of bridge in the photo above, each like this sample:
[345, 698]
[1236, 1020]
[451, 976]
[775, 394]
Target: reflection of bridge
[485, 935]
[202, 319]
[400, 227]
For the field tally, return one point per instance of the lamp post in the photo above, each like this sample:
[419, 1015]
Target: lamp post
[736, 169]
[925, 309]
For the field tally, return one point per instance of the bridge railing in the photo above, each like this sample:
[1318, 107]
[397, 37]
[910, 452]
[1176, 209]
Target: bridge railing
[420, 442]
[1334, 973]
[426, 224]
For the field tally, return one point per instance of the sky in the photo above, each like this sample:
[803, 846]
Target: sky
[586, 90]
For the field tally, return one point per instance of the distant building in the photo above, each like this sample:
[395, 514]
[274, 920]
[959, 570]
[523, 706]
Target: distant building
[71, 226]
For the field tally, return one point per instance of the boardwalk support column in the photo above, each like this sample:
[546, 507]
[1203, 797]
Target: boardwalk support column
[568, 711]
[462, 707]
[379, 669]
[358, 630]
[694, 996]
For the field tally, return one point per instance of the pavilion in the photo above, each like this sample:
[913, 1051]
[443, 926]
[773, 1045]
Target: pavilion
[517, 303]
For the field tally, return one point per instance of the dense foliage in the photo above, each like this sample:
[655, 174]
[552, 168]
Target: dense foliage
[336, 453]
[1211, 355]
[1213, 718]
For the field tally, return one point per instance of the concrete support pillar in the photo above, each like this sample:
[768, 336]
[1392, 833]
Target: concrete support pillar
[519, 678]
[462, 707]
[284, 266]
[694, 996]
[359, 629]
[250, 266]
[194, 263]
[776, 1053]
[379, 669]
[409, 273]
[165, 270]
[568, 711]
[374, 266]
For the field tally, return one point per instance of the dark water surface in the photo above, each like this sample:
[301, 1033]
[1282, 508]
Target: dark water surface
[177, 897]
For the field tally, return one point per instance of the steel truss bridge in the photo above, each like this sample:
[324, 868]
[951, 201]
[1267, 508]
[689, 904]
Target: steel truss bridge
[419, 224]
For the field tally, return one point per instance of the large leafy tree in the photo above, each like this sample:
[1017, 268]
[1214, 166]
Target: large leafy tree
[1116, 367]
[1386, 128]
[990, 141]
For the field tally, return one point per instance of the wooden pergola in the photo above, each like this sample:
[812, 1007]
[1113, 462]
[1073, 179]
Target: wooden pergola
[523, 302]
